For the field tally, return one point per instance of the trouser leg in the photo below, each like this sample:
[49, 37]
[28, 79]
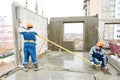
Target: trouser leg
[104, 61]
[32, 51]
[26, 59]
[26, 55]
[33, 54]
[96, 61]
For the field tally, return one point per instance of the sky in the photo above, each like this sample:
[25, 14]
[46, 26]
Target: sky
[73, 28]
[47, 8]
[63, 7]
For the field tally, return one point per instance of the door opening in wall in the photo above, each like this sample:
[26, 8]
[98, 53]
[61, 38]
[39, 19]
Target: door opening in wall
[74, 32]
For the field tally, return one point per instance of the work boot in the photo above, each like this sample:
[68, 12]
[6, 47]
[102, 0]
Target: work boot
[105, 68]
[36, 68]
[25, 68]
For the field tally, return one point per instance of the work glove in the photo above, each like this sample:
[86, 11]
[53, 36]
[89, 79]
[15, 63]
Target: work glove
[92, 63]
[106, 67]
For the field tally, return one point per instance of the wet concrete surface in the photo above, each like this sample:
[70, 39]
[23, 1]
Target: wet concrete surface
[64, 66]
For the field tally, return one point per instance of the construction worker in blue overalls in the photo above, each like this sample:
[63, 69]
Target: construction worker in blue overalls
[29, 36]
[97, 55]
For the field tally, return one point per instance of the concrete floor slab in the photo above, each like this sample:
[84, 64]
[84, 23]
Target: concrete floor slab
[64, 66]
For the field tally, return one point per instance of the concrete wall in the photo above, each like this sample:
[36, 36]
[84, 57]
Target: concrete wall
[23, 15]
[90, 30]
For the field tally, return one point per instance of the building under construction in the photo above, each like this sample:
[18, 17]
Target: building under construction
[57, 55]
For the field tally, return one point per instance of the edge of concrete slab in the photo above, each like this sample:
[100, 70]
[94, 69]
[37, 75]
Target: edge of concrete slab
[115, 62]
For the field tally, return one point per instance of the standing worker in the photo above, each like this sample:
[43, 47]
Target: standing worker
[29, 36]
[97, 54]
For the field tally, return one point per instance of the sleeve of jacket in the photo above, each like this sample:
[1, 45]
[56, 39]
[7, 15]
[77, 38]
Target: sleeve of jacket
[104, 56]
[103, 53]
[91, 53]
[20, 30]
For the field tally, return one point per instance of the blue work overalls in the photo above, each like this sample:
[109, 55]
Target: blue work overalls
[29, 46]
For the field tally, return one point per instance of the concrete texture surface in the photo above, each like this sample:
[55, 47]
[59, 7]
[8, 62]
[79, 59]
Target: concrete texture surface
[115, 61]
[64, 66]
[7, 64]
[90, 27]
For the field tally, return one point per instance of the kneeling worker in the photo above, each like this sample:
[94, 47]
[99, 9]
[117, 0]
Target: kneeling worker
[97, 54]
